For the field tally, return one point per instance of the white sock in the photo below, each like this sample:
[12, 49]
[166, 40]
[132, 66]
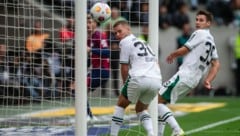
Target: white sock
[146, 121]
[117, 120]
[165, 115]
[161, 127]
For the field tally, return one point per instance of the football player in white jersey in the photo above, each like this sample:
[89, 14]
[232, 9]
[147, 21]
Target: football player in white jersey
[141, 77]
[200, 56]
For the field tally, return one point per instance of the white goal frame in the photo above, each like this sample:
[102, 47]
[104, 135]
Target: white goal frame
[81, 67]
[153, 41]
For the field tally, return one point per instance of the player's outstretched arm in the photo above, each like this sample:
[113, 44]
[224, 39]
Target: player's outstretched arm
[215, 65]
[179, 52]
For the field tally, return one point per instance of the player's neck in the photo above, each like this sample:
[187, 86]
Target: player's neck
[128, 34]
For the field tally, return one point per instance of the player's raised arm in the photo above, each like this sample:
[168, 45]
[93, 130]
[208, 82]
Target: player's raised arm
[179, 52]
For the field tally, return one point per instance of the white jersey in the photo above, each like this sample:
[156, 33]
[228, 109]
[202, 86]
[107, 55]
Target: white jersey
[202, 50]
[140, 57]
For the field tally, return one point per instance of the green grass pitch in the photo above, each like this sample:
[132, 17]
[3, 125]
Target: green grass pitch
[224, 121]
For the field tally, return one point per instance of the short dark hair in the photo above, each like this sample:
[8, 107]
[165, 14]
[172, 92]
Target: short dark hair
[121, 22]
[89, 16]
[208, 15]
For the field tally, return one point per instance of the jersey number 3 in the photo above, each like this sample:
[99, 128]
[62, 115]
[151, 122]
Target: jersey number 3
[209, 50]
[143, 48]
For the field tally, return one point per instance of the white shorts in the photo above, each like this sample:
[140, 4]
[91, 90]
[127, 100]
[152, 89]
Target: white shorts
[143, 89]
[173, 89]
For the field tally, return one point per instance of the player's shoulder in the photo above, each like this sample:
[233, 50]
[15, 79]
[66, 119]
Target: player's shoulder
[201, 31]
[128, 39]
[96, 33]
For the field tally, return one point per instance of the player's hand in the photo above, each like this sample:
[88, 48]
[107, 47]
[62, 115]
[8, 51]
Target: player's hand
[88, 49]
[208, 85]
[170, 59]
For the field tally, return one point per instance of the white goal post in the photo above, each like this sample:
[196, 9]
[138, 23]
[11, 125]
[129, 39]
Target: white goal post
[154, 42]
[81, 67]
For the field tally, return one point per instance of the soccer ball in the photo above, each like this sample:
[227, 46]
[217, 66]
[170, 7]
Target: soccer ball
[100, 12]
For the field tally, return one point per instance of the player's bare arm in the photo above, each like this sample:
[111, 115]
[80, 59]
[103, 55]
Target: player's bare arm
[215, 65]
[124, 72]
[179, 52]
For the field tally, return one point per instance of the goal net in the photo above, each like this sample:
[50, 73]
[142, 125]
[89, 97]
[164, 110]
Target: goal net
[37, 67]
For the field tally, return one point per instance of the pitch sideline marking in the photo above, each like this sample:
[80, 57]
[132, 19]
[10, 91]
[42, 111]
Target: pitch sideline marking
[212, 125]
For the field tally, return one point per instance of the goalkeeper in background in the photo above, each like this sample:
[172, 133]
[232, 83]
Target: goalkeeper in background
[200, 56]
[141, 76]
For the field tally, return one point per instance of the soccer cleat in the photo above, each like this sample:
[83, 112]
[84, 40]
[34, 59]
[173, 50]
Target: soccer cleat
[178, 133]
[89, 118]
[92, 119]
